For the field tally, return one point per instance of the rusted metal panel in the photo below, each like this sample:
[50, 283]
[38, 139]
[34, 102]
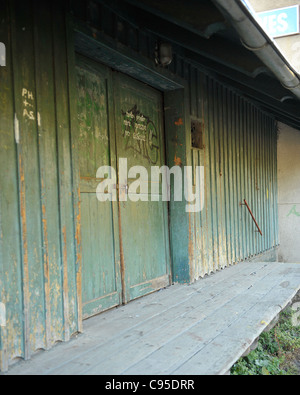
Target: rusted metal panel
[11, 326]
[37, 245]
[47, 151]
[177, 129]
[74, 155]
[64, 163]
[240, 163]
[29, 179]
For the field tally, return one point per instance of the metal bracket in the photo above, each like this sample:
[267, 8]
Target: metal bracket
[246, 204]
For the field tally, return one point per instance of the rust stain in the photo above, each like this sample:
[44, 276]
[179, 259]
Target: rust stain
[207, 242]
[122, 259]
[221, 227]
[4, 333]
[191, 251]
[179, 122]
[79, 262]
[65, 285]
[177, 161]
[25, 259]
[46, 275]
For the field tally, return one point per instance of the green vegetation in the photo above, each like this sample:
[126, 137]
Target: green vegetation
[276, 354]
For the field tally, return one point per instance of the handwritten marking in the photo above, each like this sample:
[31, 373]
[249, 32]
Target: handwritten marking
[294, 212]
[141, 135]
[28, 104]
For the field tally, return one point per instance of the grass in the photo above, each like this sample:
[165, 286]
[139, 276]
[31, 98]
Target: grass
[277, 353]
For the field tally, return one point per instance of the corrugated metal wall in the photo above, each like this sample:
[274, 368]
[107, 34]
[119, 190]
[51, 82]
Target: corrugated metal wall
[40, 252]
[39, 209]
[240, 154]
[240, 161]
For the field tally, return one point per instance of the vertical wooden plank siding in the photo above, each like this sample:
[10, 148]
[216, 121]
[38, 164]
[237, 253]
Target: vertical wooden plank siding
[38, 279]
[30, 188]
[240, 163]
[46, 128]
[65, 185]
[11, 335]
[72, 92]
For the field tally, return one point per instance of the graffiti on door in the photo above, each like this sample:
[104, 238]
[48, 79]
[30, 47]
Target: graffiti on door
[140, 134]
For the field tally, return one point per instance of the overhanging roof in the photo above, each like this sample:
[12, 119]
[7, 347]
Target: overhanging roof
[207, 36]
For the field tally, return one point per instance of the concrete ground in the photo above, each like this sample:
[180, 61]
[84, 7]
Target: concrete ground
[202, 329]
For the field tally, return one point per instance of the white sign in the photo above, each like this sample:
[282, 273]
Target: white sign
[281, 22]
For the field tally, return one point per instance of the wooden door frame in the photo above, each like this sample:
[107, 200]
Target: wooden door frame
[177, 137]
[160, 283]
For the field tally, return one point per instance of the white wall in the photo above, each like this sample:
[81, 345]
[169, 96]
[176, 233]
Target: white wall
[289, 194]
[264, 5]
[290, 45]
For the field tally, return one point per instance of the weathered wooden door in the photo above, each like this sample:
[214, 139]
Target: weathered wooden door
[144, 224]
[101, 285]
[124, 243]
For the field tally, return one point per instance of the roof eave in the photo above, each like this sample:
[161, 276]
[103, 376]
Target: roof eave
[255, 39]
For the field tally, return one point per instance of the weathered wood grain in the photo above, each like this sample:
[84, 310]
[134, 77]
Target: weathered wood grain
[11, 345]
[198, 329]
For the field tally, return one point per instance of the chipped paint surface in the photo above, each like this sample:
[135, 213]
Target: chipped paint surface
[17, 129]
[122, 258]
[39, 295]
[25, 259]
[39, 119]
[79, 262]
[239, 158]
[2, 315]
[46, 277]
[65, 285]
[191, 250]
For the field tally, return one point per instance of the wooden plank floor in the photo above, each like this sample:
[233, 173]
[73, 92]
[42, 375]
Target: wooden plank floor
[183, 330]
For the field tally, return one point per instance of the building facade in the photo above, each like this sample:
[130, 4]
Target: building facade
[84, 87]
